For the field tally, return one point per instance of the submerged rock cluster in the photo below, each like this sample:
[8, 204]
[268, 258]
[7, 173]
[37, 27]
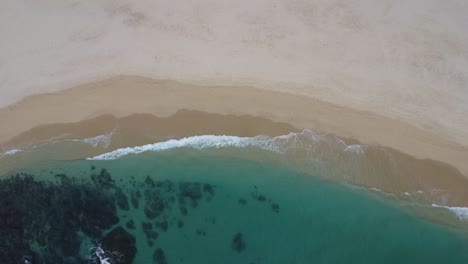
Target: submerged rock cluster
[51, 217]
[54, 222]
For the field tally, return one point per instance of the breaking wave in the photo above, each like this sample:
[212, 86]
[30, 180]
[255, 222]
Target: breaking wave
[11, 152]
[281, 144]
[100, 256]
[460, 212]
[325, 155]
[101, 140]
[197, 142]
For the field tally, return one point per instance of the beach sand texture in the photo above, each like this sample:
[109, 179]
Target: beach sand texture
[401, 59]
[125, 95]
[382, 72]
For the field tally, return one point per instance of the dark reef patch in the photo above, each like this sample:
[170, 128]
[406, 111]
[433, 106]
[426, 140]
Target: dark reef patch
[163, 225]
[149, 232]
[238, 244]
[121, 200]
[49, 222]
[159, 257]
[131, 224]
[256, 195]
[119, 240]
[103, 179]
[242, 201]
[51, 216]
[200, 232]
[180, 224]
[275, 207]
[134, 199]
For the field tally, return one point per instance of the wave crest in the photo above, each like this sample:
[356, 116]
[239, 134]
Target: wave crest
[328, 156]
[280, 144]
[11, 152]
[460, 212]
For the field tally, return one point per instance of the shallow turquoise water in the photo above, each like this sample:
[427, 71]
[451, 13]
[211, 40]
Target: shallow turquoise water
[205, 209]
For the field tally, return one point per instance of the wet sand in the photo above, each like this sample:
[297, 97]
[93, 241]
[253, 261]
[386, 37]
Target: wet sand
[125, 95]
[384, 168]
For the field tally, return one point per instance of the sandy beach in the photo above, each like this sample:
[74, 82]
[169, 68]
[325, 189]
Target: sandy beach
[400, 66]
[132, 94]
[403, 62]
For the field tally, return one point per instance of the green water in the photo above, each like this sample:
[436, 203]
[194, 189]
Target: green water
[254, 212]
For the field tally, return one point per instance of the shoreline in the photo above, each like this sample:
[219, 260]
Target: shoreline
[397, 177]
[373, 167]
[131, 94]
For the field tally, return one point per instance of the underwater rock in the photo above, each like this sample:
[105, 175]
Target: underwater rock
[149, 182]
[130, 224]
[183, 210]
[275, 207]
[200, 232]
[257, 196]
[148, 230]
[163, 225]
[27, 206]
[64, 179]
[208, 188]
[159, 257]
[190, 190]
[155, 208]
[134, 199]
[121, 200]
[12, 246]
[238, 244]
[193, 203]
[146, 226]
[68, 241]
[150, 243]
[119, 240]
[166, 185]
[152, 235]
[98, 211]
[103, 179]
[242, 201]
[180, 224]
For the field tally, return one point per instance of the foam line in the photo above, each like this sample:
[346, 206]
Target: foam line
[460, 212]
[196, 142]
[11, 152]
[279, 144]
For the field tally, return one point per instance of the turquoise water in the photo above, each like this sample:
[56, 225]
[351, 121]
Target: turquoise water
[185, 207]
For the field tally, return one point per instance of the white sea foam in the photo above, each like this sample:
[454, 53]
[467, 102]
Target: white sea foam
[103, 259]
[11, 152]
[197, 142]
[375, 189]
[101, 140]
[355, 148]
[99, 256]
[460, 212]
[281, 144]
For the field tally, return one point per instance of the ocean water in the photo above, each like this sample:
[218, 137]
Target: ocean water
[190, 205]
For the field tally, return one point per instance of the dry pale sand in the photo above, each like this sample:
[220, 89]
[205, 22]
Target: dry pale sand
[403, 59]
[125, 95]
